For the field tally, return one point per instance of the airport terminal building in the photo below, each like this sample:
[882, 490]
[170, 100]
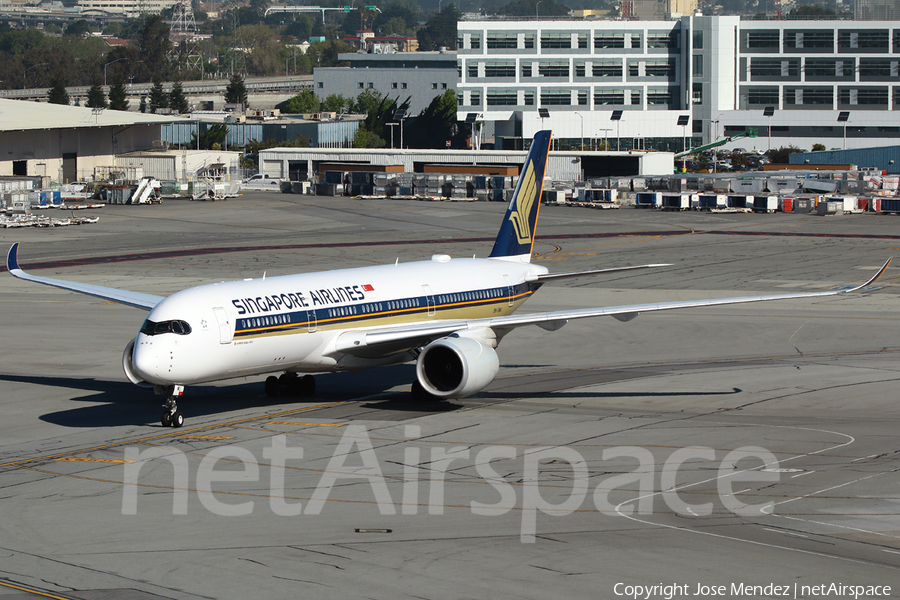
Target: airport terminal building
[662, 84]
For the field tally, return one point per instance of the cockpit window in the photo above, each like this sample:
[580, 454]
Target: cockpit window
[177, 326]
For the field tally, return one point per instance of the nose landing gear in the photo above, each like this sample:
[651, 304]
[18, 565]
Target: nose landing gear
[171, 417]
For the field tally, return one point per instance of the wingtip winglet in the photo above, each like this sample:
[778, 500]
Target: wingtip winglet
[12, 258]
[875, 277]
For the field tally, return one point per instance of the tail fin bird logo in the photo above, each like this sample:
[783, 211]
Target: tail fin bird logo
[524, 201]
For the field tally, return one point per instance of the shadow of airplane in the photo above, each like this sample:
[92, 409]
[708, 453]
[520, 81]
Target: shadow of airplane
[120, 403]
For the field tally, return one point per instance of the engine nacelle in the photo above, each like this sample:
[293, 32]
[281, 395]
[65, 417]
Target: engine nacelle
[129, 368]
[456, 367]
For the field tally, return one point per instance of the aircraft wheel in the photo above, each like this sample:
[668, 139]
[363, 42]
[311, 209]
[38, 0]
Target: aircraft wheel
[307, 385]
[271, 386]
[177, 419]
[166, 419]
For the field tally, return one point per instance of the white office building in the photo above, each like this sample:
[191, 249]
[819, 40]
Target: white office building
[652, 84]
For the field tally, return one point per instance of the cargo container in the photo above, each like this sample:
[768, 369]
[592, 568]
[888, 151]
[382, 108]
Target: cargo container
[891, 205]
[711, 201]
[648, 200]
[740, 201]
[766, 204]
[360, 177]
[830, 208]
[804, 204]
[596, 195]
[333, 177]
[676, 202]
[849, 204]
[554, 197]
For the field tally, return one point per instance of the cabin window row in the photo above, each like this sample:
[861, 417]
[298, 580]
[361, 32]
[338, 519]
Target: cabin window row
[266, 321]
[470, 296]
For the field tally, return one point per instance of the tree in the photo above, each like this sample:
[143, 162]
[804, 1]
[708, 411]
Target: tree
[177, 100]
[78, 28]
[813, 10]
[780, 156]
[158, 97]
[304, 102]
[528, 8]
[263, 55]
[154, 44]
[440, 30]
[818, 147]
[377, 115]
[301, 27]
[95, 97]
[396, 18]
[367, 139]
[437, 124]
[337, 103]
[58, 93]
[236, 91]
[367, 102]
[118, 97]
[213, 138]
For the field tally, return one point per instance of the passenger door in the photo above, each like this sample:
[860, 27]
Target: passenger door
[226, 328]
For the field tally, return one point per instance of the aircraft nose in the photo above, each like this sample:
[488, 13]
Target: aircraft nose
[145, 360]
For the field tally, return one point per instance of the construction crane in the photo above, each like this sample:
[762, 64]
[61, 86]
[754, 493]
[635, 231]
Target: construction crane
[751, 132]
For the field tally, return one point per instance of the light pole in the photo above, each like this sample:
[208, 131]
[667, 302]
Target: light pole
[769, 111]
[106, 65]
[843, 117]
[581, 116]
[392, 125]
[616, 116]
[715, 136]
[399, 115]
[25, 74]
[605, 136]
[538, 3]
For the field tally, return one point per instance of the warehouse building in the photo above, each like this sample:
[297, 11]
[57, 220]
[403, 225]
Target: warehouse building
[304, 163]
[419, 76]
[66, 143]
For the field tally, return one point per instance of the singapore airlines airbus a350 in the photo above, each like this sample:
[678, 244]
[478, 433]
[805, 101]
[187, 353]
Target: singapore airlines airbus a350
[446, 314]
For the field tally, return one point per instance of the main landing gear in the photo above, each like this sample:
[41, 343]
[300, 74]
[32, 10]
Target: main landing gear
[290, 384]
[171, 417]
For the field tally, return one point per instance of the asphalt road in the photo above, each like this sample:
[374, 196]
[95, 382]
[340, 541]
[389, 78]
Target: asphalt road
[749, 445]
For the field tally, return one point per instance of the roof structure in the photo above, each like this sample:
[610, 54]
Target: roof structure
[23, 115]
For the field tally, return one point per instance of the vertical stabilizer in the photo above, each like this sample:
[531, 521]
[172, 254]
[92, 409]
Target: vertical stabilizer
[516, 237]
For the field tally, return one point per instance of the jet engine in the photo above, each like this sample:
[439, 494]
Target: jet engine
[456, 367]
[129, 368]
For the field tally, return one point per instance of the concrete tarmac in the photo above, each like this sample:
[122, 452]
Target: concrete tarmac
[747, 446]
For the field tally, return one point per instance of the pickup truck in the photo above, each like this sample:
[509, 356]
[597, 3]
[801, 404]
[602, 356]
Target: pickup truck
[261, 181]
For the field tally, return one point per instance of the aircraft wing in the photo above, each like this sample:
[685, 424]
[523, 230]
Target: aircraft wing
[368, 341]
[557, 276]
[135, 299]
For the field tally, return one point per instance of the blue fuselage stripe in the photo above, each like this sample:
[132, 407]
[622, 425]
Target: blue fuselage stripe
[364, 312]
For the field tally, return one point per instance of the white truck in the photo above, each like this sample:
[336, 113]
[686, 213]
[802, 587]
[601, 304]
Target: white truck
[261, 181]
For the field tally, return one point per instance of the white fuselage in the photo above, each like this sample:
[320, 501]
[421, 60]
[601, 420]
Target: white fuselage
[291, 323]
